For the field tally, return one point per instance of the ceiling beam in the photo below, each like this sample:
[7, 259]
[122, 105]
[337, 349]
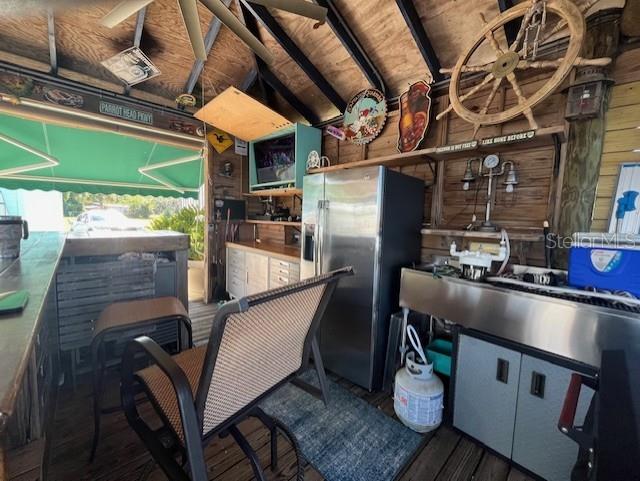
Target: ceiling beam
[209, 40]
[511, 28]
[137, 36]
[269, 78]
[412, 19]
[248, 80]
[341, 29]
[53, 51]
[289, 46]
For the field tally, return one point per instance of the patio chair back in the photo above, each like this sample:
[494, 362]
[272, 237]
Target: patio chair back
[252, 351]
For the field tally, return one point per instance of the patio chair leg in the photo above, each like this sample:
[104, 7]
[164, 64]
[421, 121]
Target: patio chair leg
[249, 452]
[322, 378]
[323, 392]
[273, 432]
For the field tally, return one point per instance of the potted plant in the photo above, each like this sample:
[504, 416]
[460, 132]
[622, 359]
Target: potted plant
[190, 221]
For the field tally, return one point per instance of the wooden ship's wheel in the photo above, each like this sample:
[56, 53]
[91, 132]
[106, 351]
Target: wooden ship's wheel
[519, 56]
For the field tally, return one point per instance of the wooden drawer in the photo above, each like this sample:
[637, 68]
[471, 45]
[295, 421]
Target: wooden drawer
[236, 287]
[294, 273]
[235, 257]
[278, 280]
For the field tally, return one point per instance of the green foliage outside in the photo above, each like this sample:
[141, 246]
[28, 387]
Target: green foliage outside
[136, 206]
[189, 220]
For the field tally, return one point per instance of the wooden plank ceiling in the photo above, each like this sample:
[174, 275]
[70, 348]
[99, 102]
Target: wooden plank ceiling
[82, 43]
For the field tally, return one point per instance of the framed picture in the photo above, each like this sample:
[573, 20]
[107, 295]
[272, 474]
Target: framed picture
[625, 209]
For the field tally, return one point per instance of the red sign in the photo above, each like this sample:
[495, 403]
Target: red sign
[415, 109]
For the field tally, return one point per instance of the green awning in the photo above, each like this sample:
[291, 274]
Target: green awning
[93, 161]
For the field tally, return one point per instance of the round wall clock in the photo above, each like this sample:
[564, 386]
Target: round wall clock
[365, 116]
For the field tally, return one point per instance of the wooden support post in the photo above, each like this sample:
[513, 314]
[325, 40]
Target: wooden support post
[208, 197]
[585, 139]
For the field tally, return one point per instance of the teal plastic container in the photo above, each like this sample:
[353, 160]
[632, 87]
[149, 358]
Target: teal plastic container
[439, 353]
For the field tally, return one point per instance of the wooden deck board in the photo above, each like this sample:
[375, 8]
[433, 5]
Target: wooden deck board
[446, 455]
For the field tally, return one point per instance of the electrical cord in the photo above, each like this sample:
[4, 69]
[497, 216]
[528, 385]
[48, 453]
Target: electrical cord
[504, 238]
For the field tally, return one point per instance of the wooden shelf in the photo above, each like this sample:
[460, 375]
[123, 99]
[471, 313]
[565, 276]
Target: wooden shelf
[433, 153]
[286, 192]
[513, 236]
[274, 222]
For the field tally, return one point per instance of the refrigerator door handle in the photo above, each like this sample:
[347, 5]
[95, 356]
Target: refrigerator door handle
[316, 239]
[322, 219]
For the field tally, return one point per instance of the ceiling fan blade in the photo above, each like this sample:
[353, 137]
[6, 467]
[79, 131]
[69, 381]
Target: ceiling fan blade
[122, 11]
[299, 7]
[189, 9]
[236, 26]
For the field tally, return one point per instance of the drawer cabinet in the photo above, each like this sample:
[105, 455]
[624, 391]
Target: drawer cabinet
[511, 402]
[538, 445]
[486, 392]
[252, 272]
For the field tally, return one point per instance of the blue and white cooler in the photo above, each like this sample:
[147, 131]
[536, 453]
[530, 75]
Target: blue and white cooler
[605, 261]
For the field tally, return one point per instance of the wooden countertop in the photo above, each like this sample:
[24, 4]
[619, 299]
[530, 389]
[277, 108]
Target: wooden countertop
[118, 242]
[33, 271]
[285, 252]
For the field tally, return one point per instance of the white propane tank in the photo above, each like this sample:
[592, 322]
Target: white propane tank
[418, 394]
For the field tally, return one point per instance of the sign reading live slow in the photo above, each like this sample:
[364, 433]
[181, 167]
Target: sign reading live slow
[25, 86]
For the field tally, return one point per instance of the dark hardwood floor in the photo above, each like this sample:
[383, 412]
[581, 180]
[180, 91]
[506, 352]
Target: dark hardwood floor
[121, 456]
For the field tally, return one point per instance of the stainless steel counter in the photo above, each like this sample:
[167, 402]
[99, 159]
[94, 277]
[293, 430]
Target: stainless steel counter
[573, 330]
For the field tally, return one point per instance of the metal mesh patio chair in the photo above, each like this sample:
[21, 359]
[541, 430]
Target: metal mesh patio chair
[256, 344]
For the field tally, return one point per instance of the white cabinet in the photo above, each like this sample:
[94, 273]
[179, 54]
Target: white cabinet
[257, 266]
[249, 272]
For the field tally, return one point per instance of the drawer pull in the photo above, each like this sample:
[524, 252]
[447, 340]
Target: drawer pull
[537, 384]
[502, 371]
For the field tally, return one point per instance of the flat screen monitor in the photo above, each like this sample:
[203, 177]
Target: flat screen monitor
[275, 160]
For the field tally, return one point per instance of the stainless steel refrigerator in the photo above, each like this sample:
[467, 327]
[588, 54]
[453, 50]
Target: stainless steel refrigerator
[368, 218]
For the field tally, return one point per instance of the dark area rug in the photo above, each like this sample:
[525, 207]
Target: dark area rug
[349, 440]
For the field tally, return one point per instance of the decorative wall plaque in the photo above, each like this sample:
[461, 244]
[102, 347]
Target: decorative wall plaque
[365, 116]
[415, 108]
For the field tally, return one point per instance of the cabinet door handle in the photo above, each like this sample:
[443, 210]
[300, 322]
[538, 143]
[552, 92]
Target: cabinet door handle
[537, 384]
[502, 371]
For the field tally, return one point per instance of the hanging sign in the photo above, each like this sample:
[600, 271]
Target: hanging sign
[365, 116]
[415, 109]
[131, 66]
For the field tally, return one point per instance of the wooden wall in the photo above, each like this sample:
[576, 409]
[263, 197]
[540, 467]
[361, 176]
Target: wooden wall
[622, 136]
[524, 210]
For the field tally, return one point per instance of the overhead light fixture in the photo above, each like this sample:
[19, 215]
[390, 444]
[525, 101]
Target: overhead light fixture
[512, 180]
[468, 175]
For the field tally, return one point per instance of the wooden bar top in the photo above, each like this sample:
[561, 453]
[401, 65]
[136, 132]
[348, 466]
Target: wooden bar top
[34, 271]
[96, 243]
[285, 252]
